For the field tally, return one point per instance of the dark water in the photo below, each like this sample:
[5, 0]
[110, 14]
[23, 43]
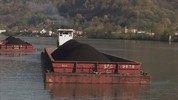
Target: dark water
[21, 77]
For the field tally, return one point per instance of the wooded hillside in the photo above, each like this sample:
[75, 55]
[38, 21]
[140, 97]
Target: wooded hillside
[96, 16]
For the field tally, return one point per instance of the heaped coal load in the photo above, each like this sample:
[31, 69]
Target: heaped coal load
[15, 41]
[75, 51]
[10, 38]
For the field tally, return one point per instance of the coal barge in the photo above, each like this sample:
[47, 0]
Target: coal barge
[13, 44]
[74, 62]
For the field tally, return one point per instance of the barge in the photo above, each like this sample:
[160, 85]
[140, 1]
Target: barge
[114, 71]
[12, 44]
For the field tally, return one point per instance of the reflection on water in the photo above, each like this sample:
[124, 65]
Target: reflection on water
[96, 91]
[21, 80]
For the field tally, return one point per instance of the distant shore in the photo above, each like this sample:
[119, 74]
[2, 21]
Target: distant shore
[162, 37]
[144, 37]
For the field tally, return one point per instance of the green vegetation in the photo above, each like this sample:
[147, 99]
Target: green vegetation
[97, 18]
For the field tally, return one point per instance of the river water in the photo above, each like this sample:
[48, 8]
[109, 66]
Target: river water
[21, 77]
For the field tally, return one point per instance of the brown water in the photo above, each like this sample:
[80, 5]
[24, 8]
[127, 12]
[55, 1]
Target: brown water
[21, 77]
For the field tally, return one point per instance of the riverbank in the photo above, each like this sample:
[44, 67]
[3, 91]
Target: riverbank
[144, 37]
[147, 37]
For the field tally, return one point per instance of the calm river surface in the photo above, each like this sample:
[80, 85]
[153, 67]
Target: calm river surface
[21, 77]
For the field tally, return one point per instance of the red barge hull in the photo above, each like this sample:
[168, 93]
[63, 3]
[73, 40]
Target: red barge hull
[17, 48]
[118, 71]
[95, 78]
[25, 47]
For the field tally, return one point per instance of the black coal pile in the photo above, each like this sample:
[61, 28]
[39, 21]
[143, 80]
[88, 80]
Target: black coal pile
[10, 38]
[75, 51]
[15, 41]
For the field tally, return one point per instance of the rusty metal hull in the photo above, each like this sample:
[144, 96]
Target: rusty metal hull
[124, 72]
[17, 48]
[53, 77]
